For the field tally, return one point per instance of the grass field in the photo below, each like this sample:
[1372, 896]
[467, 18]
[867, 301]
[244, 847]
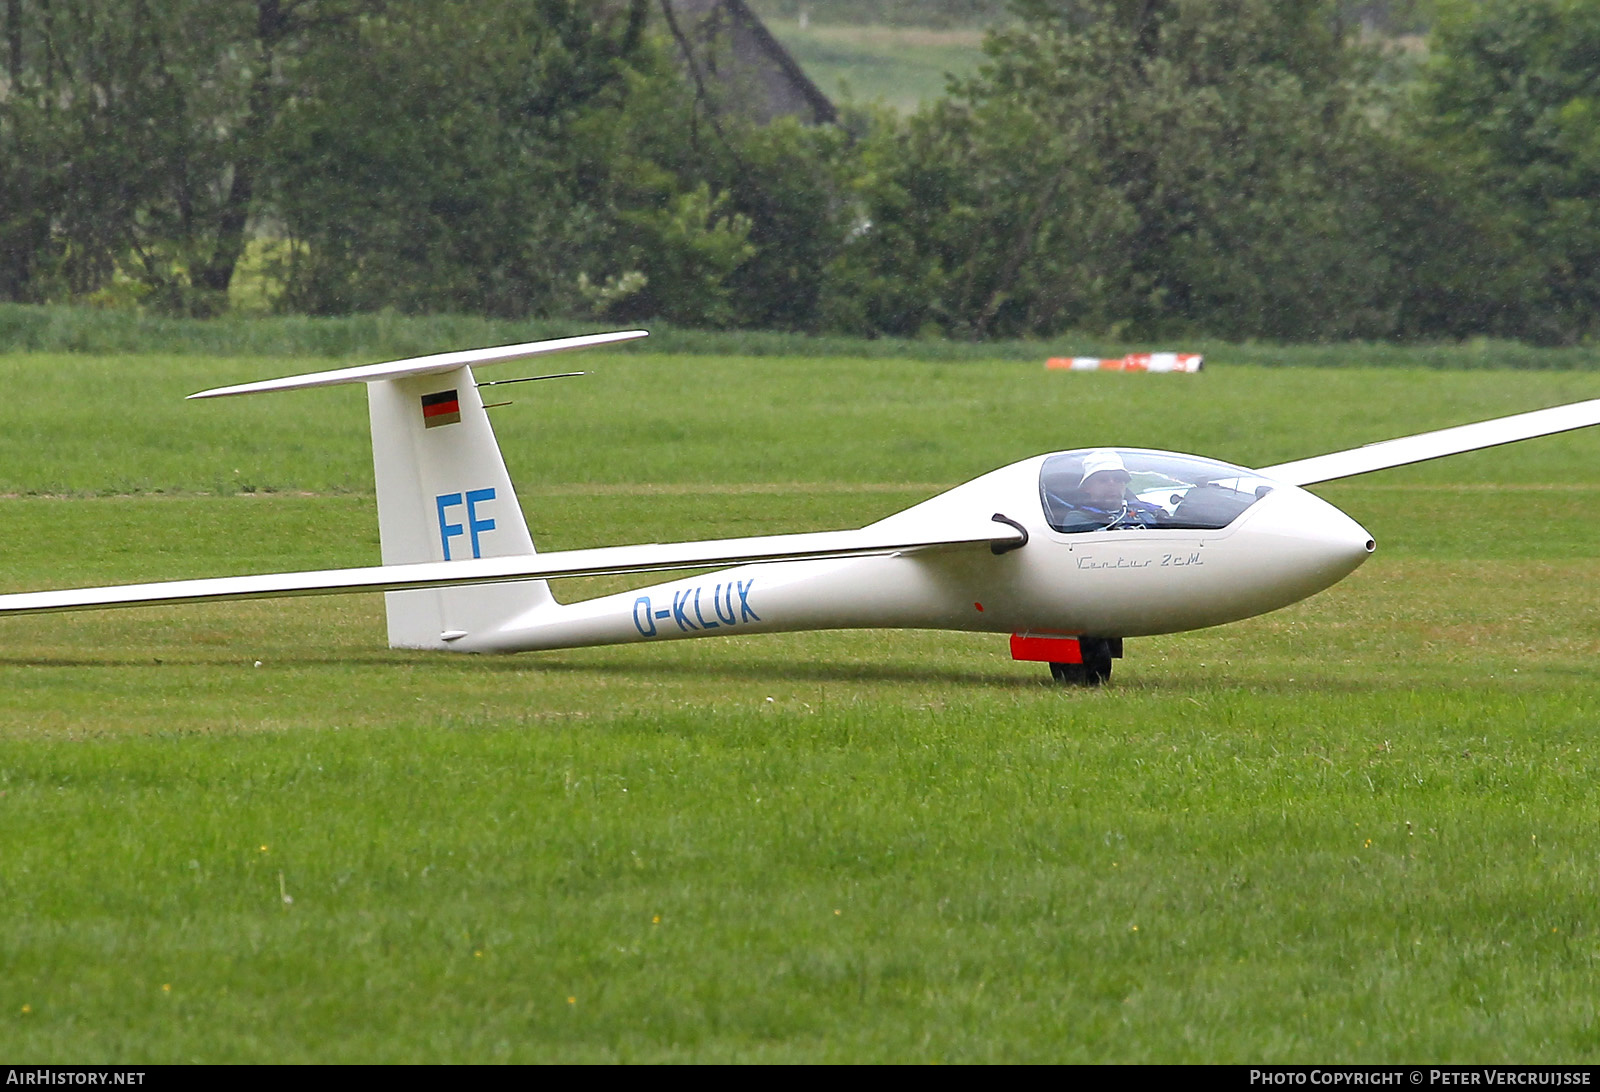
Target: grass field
[387, 335]
[1360, 829]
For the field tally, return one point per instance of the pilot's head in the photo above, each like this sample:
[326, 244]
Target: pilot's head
[1105, 479]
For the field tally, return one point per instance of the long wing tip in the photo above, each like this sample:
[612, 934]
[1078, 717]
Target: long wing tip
[1424, 446]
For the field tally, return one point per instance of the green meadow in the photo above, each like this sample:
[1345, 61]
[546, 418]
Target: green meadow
[1362, 829]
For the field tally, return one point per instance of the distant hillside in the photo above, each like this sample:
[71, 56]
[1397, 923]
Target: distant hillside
[898, 13]
[902, 52]
[1376, 16]
[902, 67]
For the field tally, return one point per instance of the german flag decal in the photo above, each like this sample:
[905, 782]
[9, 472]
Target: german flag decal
[443, 408]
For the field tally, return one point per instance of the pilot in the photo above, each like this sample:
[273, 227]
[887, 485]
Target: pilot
[1104, 497]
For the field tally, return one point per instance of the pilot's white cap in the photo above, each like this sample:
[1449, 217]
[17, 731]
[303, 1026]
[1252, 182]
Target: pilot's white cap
[1098, 462]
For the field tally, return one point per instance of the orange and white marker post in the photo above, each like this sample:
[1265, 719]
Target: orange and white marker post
[1133, 362]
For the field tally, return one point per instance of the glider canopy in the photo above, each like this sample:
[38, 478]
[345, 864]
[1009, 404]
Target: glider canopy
[1160, 489]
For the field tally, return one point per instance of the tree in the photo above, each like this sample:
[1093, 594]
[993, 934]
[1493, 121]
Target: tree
[1511, 101]
[1147, 165]
[419, 153]
[452, 156]
[150, 119]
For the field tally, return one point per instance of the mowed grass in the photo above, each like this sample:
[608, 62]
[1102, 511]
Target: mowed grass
[1360, 829]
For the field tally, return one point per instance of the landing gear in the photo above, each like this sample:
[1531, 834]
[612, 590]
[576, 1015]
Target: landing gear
[1074, 661]
[1097, 653]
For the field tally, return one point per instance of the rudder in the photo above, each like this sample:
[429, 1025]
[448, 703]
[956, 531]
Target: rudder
[444, 494]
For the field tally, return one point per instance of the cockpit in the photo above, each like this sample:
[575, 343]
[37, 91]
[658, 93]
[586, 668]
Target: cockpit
[1123, 489]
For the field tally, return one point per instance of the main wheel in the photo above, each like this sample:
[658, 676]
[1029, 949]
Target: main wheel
[1095, 669]
[1097, 654]
[1070, 674]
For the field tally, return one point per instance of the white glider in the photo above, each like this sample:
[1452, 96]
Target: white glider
[1069, 552]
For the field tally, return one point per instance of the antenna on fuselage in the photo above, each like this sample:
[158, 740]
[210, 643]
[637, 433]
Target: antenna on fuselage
[529, 379]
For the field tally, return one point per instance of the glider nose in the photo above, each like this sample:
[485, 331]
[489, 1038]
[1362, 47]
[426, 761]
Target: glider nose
[1302, 544]
[1346, 542]
[1342, 542]
[1352, 540]
[1335, 544]
[1355, 543]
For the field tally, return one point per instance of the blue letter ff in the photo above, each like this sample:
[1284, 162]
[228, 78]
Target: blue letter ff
[475, 526]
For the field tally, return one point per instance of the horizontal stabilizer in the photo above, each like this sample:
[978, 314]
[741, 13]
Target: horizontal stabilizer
[1434, 445]
[423, 365]
[649, 557]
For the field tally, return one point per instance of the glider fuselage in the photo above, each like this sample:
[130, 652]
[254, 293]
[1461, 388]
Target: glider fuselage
[1124, 582]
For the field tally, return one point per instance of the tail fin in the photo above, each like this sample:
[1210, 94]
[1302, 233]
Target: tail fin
[443, 495]
[443, 490]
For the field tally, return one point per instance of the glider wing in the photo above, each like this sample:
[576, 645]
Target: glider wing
[649, 557]
[1434, 445]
